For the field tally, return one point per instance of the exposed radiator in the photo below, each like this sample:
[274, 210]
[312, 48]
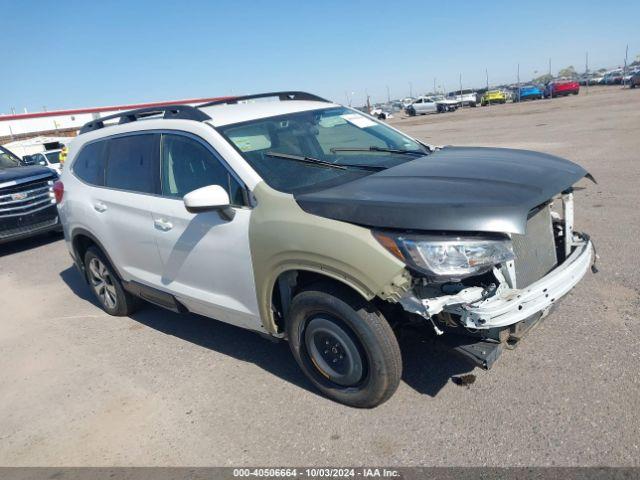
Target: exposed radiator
[535, 251]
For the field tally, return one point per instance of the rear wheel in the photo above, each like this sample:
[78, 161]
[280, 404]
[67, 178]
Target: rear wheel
[344, 346]
[106, 285]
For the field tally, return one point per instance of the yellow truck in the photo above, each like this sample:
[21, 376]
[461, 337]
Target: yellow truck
[493, 96]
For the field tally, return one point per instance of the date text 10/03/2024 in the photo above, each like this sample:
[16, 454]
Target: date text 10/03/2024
[317, 472]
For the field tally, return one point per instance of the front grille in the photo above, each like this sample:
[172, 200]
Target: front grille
[26, 198]
[535, 251]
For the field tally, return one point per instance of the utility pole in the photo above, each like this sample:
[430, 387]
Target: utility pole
[586, 71]
[624, 72]
[461, 102]
[388, 95]
[434, 85]
[518, 84]
[550, 76]
[486, 72]
[410, 89]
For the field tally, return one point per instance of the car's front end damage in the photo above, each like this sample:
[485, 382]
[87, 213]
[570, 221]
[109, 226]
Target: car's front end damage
[497, 308]
[486, 234]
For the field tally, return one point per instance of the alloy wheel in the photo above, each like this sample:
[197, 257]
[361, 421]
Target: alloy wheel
[102, 283]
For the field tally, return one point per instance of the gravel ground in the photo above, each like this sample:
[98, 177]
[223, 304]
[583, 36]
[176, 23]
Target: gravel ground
[80, 388]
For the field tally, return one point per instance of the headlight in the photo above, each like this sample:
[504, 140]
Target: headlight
[447, 258]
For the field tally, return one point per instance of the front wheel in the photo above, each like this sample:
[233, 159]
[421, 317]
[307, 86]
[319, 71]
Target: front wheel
[344, 346]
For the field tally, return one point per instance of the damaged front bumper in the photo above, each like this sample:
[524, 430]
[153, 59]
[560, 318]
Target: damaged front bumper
[499, 319]
[507, 306]
[510, 306]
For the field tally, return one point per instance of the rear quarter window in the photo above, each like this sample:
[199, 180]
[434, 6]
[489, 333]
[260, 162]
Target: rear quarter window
[89, 164]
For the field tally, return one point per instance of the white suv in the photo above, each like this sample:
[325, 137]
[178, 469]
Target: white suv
[306, 220]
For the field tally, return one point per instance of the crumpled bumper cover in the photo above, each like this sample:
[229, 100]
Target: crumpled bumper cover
[510, 306]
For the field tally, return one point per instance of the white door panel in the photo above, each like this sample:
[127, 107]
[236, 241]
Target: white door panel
[428, 107]
[206, 261]
[127, 232]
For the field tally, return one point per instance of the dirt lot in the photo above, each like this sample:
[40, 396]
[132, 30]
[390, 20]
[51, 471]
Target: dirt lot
[80, 388]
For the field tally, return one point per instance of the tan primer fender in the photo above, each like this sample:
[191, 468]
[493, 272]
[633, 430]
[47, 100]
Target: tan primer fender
[284, 237]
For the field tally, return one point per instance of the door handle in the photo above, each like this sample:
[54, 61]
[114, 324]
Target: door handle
[99, 207]
[162, 224]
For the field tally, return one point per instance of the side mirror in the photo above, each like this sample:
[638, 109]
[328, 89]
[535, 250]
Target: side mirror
[206, 199]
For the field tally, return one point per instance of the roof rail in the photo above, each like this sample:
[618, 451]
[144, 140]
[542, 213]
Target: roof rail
[283, 96]
[184, 112]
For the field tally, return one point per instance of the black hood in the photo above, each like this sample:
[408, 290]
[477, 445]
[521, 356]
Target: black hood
[16, 174]
[468, 189]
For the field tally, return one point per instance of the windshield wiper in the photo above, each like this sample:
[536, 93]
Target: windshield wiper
[378, 149]
[322, 163]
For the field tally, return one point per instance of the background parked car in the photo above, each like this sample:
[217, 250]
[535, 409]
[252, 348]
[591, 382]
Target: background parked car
[493, 96]
[422, 106]
[445, 104]
[465, 97]
[560, 88]
[626, 79]
[527, 92]
[635, 80]
[27, 206]
[407, 101]
[49, 158]
[613, 77]
[590, 79]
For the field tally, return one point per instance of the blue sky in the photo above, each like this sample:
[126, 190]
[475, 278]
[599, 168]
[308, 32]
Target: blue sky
[70, 54]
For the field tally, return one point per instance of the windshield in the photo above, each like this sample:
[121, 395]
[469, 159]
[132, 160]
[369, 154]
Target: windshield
[338, 136]
[8, 159]
[53, 157]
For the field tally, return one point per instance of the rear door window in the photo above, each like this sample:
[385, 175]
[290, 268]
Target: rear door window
[89, 165]
[132, 163]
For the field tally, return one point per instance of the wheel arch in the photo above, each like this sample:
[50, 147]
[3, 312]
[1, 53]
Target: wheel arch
[81, 240]
[291, 280]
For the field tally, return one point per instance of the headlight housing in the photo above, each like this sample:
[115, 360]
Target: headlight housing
[445, 258]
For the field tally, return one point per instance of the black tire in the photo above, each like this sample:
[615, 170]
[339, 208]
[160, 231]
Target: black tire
[106, 285]
[357, 338]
